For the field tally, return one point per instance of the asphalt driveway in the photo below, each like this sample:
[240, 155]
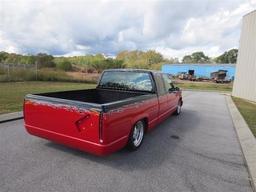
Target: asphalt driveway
[196, 151]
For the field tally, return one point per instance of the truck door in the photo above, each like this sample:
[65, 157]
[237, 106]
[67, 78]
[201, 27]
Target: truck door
[171, 92]
[162, 97]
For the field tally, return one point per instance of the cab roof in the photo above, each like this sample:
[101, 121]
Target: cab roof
[135, 70]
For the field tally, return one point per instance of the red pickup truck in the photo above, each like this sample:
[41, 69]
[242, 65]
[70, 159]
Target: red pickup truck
[125, 105]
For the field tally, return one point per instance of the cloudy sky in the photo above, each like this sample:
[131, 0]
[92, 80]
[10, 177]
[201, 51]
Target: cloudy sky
[76, 27]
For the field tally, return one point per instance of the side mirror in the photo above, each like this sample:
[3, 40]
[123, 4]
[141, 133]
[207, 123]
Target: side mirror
[174, 89]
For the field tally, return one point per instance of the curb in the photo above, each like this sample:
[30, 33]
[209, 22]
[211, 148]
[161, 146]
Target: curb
[246, 139]
[11, 116]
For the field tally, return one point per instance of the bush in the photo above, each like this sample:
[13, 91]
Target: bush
[19, 75]
[2, 71]
[45, 61]
[65, 66]
[109, 63]
[30, 75]
[23, 75]
[45, 74]
[51, 75]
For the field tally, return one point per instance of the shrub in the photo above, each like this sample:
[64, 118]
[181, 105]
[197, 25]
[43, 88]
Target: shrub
[109, 63]
[2, 71]
[45, 74]
[22, 75]
[18, 75]
[45, 61]
[65, 66]
[52, 75]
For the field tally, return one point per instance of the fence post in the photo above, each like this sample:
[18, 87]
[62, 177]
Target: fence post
[8, 72]
[36, 70]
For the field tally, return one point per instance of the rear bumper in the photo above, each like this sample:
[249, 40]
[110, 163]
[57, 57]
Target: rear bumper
[77, 143]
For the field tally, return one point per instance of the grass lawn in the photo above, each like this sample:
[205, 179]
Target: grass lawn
[12, 94]
[248, 111]
[204, 86]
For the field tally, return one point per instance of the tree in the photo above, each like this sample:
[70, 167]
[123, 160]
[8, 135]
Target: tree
[227, 57]
[44, 60]
[109, 63]
[153, 57]
[200, 57]
[31, 59]
[173, 60]
[65, 65]
[99, 56]
[122, 55]
[196, 57]
[13, 58]
[141, 59]
[3, 56]
[187, 59]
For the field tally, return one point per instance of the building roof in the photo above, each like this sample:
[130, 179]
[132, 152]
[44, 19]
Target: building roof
[247, 14]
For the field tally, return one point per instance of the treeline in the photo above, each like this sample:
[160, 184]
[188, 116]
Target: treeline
[125, 59]
[140, 59]
[199, 57]
[87, 63]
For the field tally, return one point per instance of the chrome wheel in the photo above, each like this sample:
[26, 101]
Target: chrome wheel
[138, 133]
[178, 108]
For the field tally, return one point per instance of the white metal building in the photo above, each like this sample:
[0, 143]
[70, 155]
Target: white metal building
[245, 76]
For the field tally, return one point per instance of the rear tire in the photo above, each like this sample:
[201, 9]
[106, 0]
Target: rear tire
[178, 109]
[136, 136]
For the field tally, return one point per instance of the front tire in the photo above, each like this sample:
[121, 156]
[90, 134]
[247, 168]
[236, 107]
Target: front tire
[178, 109]
[136, 136]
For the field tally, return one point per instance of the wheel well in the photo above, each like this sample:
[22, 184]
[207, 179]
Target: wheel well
[145, 120]
[181, 101]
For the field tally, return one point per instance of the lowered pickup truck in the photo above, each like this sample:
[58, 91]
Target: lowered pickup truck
[125, 105]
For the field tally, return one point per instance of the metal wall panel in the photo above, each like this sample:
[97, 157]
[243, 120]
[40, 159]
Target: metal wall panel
[201, 70]
[245, 78]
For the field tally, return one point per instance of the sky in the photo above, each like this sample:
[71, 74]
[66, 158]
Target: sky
[74, 27]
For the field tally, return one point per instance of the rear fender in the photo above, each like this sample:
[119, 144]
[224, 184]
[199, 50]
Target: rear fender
[143, 117]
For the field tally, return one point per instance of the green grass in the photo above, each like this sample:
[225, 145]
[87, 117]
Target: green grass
[205, 86]
[12, 93]
[248, 111]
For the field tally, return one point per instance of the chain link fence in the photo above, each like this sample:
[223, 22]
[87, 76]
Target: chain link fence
[18, 72]
[28, 72]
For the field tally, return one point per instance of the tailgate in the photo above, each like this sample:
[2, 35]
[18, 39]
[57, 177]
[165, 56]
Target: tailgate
[61, 118]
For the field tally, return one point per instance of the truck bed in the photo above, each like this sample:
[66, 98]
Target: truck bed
[75, 118]
[97, 96]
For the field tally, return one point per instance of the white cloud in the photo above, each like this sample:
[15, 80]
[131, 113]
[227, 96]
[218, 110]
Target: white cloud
[174, 28]
[172, 53]
[213, 29]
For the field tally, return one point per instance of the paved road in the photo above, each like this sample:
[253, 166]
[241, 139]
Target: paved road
[196, 151]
